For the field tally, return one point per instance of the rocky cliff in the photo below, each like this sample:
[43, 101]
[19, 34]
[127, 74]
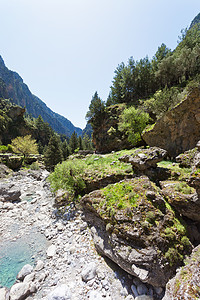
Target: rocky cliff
[22, 96]
[107, 137]
[179, 129]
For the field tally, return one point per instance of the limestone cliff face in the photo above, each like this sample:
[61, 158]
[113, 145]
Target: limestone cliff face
[179, 129]
[107, 137]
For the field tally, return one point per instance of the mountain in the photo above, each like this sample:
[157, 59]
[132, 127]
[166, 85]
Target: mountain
[195, 21]
[20, 94]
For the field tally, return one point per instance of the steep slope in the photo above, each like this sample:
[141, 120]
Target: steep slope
[195, 21]
[21, 95]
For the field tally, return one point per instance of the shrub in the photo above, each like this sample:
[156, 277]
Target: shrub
[68, 176]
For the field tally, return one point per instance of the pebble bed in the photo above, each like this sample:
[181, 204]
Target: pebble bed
[70, 267]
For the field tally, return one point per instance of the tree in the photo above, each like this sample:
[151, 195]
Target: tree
[132, 122]
[73, 142]
[65, 150]
[96, 111]
[43, 133]
[53, 154]
[24, 145]
[80, 143]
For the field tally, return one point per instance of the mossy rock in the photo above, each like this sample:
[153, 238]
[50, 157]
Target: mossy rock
[14, 162]
[186, 281]
[140, 230]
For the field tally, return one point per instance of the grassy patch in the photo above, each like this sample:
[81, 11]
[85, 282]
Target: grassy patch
[176, 171]
[119, 196]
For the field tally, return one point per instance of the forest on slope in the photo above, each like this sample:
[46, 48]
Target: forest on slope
[143, 91]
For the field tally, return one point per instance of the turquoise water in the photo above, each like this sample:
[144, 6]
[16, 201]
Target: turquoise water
[15, 254]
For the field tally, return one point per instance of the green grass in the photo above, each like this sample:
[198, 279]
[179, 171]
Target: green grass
[176, 170]
[73, 174]
[119, 195]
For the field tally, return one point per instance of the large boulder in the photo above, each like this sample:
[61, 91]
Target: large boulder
[134, 226]
[143, 159]
[178, 130]
[185, 285]
[182, 198]
[9, 192]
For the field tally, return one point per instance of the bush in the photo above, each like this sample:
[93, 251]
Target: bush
[68, 176]
[35, 166]
[132, 122]
[3, 149]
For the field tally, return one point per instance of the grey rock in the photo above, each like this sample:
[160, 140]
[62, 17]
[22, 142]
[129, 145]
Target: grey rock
[142, 289]
[8, 192]
[158, 290]
[3, 293]
[26, 270]
[19, 291]
[144, 297]
[143, 159]
[134, 290]
[60, 293]
[95, 295]
[51, 251]
[39, 266]
[89, 272]
[29, 277]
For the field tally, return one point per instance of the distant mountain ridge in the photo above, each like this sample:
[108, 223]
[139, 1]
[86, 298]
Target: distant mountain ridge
[22, 96]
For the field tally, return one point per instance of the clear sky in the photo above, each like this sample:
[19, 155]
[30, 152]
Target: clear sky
[65, 50]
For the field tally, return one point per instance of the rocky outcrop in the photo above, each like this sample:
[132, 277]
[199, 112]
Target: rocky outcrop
[107, 137]
[185, 285]
[178, 130]
[9, 192]
[143, 159]
[182, 198]
[137, 229]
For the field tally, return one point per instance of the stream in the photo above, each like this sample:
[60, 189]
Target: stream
[60, 249]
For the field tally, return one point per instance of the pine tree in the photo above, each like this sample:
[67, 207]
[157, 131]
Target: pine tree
[53, 155]
[80, 143]
[65, 150]
[73, 142]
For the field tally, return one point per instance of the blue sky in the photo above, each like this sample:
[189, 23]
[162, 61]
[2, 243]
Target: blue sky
[65, 50]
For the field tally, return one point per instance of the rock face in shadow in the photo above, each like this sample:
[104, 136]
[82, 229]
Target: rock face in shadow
[178, 130]
[107, 137]
[185, 285]
[139, 231]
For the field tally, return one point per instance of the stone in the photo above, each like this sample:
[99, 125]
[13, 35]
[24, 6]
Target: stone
[186, 281]
[95, 295]
[60, 293]
[29, 277]
[89, 272]
[26, 270]
[143, 159]
[144, 297]
[3, 293]
[158, 290]
[133, 240]
[20, 291]
[9, 192]
[51, 251]
[178, 129]
[187, 204]
[142, 289]
[39, 266]
[134, 290]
